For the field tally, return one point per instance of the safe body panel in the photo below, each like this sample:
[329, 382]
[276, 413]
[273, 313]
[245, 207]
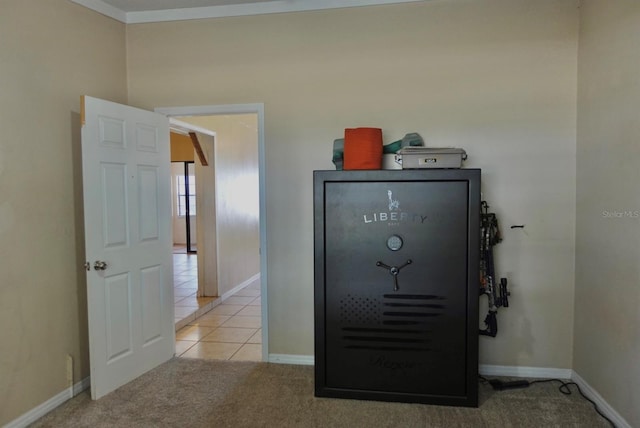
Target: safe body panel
[396, 285]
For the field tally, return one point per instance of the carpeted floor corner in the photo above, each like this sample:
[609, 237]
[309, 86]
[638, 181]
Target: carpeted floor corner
[205, 393]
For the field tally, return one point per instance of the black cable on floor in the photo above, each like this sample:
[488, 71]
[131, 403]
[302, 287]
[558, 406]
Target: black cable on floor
[564, 388]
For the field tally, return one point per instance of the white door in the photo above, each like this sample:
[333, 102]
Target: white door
[127, 213]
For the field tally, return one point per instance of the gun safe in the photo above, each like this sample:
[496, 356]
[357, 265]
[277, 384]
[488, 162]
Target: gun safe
[396, 285]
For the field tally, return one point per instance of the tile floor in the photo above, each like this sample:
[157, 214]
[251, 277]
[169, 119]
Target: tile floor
[187, 306]
[212, 329]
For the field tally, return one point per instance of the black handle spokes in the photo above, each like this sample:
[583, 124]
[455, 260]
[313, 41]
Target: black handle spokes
[394, 271]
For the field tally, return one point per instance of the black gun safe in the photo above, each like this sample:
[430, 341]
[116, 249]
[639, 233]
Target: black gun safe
[396, 285]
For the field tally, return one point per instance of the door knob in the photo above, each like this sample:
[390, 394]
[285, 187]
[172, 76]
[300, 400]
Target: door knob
[98, 265]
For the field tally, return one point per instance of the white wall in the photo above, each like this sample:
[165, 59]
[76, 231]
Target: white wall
[607, 321]
[496, 77]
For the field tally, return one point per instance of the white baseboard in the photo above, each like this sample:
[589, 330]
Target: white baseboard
[304, 360]
[240, 286]
[522, 371]
[603, 406]
[81, 386]
[37, 412]
[484, 369]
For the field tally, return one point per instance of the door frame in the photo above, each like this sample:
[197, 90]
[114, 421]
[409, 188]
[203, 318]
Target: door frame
[187, 216]
[188, 205]
[253, 108]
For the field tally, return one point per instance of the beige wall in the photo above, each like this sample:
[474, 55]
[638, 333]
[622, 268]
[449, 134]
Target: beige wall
[51, 53]
[607, 321]
[236, 190]
[497, 77]
[181, 148]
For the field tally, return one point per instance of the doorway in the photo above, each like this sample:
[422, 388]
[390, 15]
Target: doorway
[188, 301]
[240, 195]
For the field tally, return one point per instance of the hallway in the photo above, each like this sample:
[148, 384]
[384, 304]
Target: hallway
[208, 328]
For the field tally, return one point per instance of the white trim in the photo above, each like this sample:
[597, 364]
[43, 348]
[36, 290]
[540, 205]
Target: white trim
[304, 360]
[104, 8]
[245, 9]
[484, 369]
[603, 406]
[184, 127]
[518, 371]
[239, 287]
[256, 108]
[57, 400]
[211, 110]
[264, 8]
[84, 384]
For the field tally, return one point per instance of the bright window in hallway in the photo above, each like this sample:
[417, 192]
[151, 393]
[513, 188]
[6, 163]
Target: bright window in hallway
[186, 188]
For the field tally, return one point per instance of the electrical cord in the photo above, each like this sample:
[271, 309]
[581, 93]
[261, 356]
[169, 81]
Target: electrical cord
[564, 388]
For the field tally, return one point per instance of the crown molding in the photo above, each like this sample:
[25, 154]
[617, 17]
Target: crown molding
[104, 8]
[263, 8]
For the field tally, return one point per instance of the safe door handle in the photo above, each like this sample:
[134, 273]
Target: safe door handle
[394, 271]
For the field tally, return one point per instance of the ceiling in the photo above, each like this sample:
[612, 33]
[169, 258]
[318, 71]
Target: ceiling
[139, 11]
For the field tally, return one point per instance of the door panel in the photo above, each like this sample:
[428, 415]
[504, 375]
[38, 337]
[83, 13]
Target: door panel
[114, 191]
[127, 227]
[118, 316]
[148, 183]
[151, 303]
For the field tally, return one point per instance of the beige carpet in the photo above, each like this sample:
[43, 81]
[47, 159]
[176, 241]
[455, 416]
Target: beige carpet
[199, 393]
